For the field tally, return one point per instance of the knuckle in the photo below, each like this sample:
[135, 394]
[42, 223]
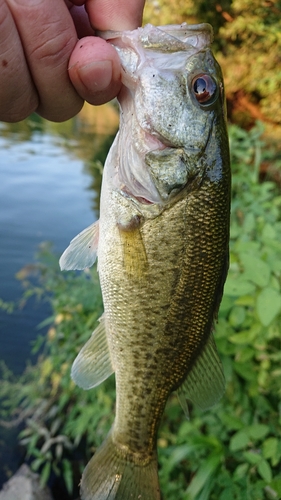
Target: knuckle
[54, 50]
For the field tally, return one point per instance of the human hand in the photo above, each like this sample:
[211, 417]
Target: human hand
[44, 69]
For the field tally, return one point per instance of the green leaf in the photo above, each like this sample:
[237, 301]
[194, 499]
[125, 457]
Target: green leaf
[227, 494]
[239, 440]
[176, 455]
[237, 316]
[268, 233]
[235, 287]
[255, 269]
[245, 337]
[232, 422]
[268, 305]
[45, 474]
[249, 222]
[252, 458]
[264, 470]
[245, 354]
[242, 246]
[258, 431]
[244, 370]
[276, 485]
[37, 463]
[67, 475]
[202, 475]
[241, 471]
[270, 448]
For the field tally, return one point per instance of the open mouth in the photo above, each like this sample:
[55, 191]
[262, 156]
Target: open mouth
[141, 199]
[155, 142]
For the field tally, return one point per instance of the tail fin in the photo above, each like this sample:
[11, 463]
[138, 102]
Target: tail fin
[110, 476]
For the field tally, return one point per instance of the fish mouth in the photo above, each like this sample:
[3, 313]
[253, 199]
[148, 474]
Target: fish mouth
[156, 171]
[140, 199]
[156, 142]
[152, 168]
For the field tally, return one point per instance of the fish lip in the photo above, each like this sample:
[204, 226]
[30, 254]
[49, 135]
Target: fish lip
[190, 151]
[156, 139]
[142, 204]
[140, 199]
[196, 36]
[153, 140]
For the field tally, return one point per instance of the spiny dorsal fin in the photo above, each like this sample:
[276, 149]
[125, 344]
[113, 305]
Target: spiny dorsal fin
[82, 250]
[93, 363]
[205, 383]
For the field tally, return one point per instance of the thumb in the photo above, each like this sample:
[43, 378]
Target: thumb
[94, 70]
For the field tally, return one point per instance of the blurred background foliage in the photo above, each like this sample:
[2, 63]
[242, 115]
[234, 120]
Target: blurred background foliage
[233, 451]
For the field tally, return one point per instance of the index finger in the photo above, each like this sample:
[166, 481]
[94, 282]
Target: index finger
[115, 14]
[48, 37]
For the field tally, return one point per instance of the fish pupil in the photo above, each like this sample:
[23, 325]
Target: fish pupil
[204, 88]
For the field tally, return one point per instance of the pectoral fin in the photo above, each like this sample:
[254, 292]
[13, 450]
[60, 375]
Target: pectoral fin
[134, 254]
[82, 251]
[205, 383]
[93, 363]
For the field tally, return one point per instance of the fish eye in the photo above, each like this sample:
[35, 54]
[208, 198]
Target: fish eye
[204, 89]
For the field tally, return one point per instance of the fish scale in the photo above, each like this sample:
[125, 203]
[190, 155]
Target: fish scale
[188, 294]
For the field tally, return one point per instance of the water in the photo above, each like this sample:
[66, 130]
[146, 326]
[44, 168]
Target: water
[48, 192]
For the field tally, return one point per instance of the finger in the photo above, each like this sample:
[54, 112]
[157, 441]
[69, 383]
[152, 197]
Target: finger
[18, 96]
[115, 15]
[75, 2]
[94, 65]
[94, 69]
[48, 36]
[81, 21]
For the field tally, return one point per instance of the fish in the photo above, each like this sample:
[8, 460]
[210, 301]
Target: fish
[162, 243]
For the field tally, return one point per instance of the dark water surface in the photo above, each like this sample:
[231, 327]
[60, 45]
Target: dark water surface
[50, 177]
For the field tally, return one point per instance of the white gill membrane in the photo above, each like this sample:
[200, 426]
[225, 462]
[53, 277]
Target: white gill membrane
[133, 175]
[146, 51]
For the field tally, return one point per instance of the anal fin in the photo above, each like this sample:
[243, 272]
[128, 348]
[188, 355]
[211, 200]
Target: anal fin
[205, 383]
[93, 364]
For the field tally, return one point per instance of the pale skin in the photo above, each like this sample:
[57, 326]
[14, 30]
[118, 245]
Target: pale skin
[50, 60]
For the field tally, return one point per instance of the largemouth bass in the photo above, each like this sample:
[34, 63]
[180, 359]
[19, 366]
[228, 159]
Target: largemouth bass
[162, 245]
